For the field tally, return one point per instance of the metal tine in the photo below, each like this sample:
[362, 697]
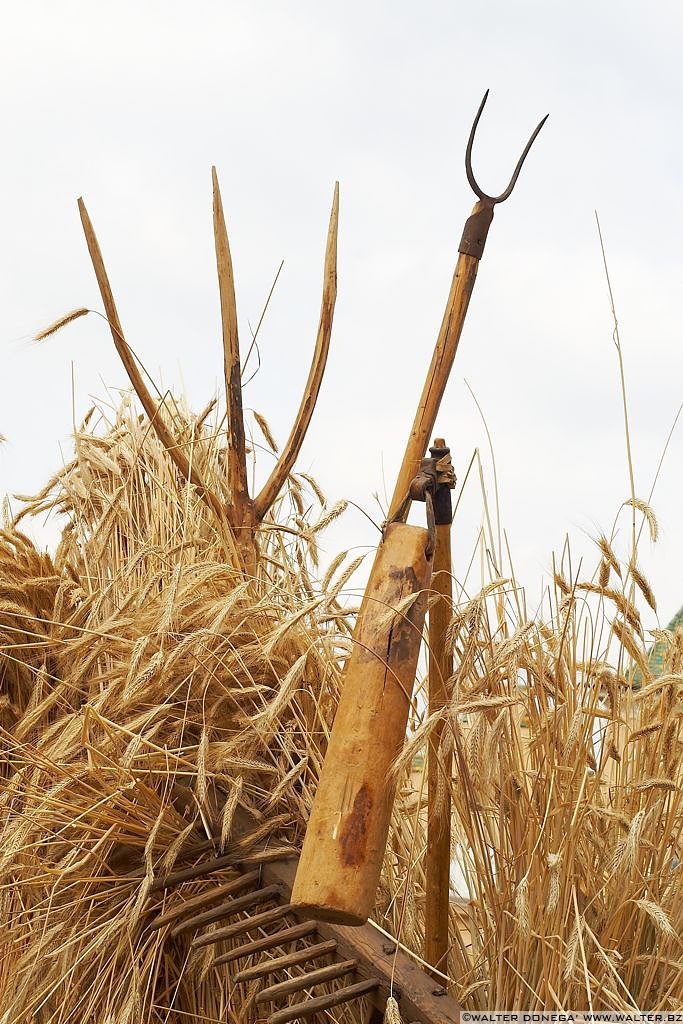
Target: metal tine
[281, 938]
[493, 200]
[204, 898]
[228, 909]
[283, 963]
[317, 1005]
[240, 927]
[286, 988]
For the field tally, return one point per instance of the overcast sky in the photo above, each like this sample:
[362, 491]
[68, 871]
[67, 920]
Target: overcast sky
[129, 104]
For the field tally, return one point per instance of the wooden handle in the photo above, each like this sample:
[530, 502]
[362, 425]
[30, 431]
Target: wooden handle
[438, 857]
[343, 849]
[437, 377]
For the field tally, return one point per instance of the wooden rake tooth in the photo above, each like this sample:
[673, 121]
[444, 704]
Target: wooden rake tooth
[283, 963]
[204, 898]
[228, 908]
[286, 988]
[240, 927]
[240, 854]
[228, 860]
[321, 1003]
[267, 856]
[281, 938]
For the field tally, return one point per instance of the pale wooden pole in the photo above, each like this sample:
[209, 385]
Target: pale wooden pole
[346, 837]
[438, 859]
[439, 370]
[343, 848]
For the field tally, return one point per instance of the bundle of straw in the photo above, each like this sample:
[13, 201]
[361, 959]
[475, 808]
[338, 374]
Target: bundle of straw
[151, 690]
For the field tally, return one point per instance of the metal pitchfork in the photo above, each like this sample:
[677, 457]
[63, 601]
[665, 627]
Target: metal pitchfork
[471, 249]
[343, 850]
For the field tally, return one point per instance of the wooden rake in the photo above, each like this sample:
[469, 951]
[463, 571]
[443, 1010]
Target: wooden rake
[343, 850]
[290, 958]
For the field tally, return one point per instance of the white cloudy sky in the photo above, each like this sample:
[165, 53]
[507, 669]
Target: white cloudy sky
[130, 103]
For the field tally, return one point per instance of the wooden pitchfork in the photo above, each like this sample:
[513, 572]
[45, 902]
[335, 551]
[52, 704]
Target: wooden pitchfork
[344, 846]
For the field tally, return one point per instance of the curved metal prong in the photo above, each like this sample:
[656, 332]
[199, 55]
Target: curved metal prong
[513, 180]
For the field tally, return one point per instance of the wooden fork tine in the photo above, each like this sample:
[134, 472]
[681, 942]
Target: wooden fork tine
[205, 898]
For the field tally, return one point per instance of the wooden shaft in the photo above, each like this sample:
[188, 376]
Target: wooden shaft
[204, 898]
[344, 846]
[437, 377]
[437, 887]
[281, 938]
[322, 974]
[283, 963]
[313, 1006]
[227, 909]
[240, 927]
